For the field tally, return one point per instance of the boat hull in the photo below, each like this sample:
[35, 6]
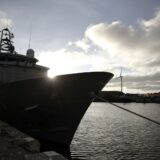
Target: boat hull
[50, 109]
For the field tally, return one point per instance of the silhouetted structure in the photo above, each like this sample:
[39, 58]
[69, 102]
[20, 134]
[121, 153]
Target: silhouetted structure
[47, 109]
[121, 79]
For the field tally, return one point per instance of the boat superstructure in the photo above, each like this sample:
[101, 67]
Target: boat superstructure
[14, 66]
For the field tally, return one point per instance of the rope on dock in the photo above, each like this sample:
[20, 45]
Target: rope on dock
[137, 114]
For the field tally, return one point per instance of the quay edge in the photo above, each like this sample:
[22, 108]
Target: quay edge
[15, 144]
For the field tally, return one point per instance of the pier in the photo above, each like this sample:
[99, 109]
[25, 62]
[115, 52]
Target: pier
[15, 144]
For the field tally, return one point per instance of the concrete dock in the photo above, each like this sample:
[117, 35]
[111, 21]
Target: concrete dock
[16, 145]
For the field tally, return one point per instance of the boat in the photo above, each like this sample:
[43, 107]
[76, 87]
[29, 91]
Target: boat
[47, 109]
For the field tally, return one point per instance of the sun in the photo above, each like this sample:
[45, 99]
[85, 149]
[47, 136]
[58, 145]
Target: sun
[60, 68]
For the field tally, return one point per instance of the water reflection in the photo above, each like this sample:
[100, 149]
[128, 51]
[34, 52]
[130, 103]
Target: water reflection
[106, 132]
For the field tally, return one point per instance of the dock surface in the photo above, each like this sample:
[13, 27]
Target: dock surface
[16, 145]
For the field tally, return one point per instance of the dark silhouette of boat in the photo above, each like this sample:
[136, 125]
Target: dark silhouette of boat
[47, 109]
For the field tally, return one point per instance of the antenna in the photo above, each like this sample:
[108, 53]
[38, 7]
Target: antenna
[121, 77]
[6, 23]
[30, 35]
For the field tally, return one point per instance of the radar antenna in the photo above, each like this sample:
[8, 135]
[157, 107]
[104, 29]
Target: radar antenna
[30, 36]
[6, 43]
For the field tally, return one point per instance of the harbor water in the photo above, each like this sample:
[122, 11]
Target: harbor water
[109, 133]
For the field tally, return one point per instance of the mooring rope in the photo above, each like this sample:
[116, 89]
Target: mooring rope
[137, 114]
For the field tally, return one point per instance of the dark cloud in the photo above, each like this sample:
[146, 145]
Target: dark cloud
[151, 78]
[145, 83]
[153, 63]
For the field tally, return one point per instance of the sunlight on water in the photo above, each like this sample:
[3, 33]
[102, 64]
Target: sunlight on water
[107, 132]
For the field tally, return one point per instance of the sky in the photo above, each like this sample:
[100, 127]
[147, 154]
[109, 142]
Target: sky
[71, 36]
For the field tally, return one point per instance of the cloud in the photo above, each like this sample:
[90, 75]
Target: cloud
[153, 22]
[64, 61]
[110, 46]
[82, 44]
[4, 21]
[135, 48]
[142, 83]
[131, 44]
[153, 63]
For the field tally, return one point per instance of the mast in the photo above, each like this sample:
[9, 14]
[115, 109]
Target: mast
[121, 77]
[121, 84]
[6, 44]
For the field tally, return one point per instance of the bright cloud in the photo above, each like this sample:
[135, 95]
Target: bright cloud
[83, 44]
[152, 23]
[4, 21]
[130, 45]
[110, 46]
[137, 48]
[64, 61]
